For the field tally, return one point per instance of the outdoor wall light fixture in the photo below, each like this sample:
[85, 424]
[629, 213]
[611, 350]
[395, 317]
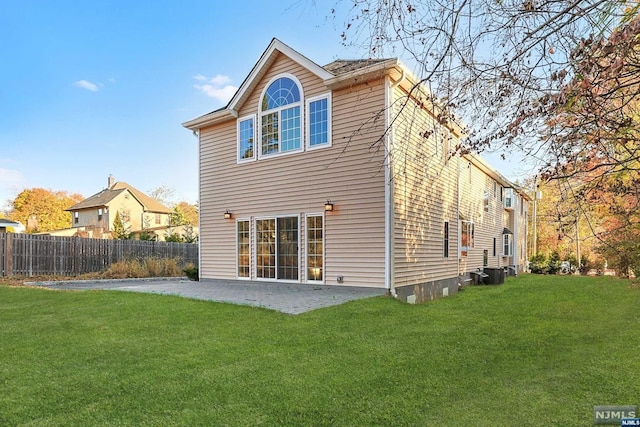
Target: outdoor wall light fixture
[328, 206]
[227, 214]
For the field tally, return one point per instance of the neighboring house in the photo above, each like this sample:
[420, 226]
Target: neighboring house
[336, 175]
[138, 210]
[8, 226]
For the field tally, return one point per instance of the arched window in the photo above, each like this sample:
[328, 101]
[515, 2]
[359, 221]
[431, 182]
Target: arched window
[280, 117]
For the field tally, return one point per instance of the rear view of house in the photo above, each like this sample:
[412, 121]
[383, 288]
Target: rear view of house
[341, 175]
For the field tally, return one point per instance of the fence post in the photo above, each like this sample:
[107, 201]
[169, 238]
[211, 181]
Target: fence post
[8, 268]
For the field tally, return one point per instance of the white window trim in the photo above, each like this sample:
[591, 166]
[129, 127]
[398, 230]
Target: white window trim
[255, 134]
[261, 113]
[471, 238]
[329, 143]
[446, 238]
[250, 249]
[306, 249]
[510, 245]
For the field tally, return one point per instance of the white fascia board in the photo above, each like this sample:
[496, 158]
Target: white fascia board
[265, 59]
[211, 119]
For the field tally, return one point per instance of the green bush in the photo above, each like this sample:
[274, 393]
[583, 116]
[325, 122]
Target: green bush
[191, 272]
[538, 264]
[554, 263]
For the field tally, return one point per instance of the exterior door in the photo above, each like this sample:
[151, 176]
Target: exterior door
[288, 248]
[277, 248]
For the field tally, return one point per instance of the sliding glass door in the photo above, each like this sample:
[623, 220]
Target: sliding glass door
[277, 251]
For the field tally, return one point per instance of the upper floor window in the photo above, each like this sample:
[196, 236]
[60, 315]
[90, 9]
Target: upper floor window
[280, 117]
[99, 214]
[319, 121]
[246, 138]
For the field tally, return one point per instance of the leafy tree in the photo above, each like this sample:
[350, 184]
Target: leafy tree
[184, 213]
[121, 228]
[146, 233]
[189, 236]
[174, 237]
[47, 206]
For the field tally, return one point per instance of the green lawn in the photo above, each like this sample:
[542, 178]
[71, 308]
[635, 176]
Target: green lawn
[537, 351]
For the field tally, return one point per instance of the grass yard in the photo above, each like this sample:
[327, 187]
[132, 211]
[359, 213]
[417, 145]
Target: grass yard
[537, 351]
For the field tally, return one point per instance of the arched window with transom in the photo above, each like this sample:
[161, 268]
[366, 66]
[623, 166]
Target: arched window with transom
[281, 117]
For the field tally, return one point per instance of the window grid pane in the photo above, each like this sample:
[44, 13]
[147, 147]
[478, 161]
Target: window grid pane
[266, 248]
[246, 139]
[290, 126]
[315, 248]
[319, 122]
[270, 133]
[243, 248]
[281, 92]
[287, 248]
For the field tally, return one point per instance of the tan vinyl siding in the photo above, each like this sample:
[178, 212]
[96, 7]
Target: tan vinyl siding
[488, 225]
[429, 190]
[349, 173]
[425, 193]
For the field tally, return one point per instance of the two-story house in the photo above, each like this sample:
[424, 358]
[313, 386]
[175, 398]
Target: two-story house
[344, 175]
[138, 210]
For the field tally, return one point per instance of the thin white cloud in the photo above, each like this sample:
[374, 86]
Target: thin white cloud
[217, 87]
[85, 84]
[10, 181]
[220, 80]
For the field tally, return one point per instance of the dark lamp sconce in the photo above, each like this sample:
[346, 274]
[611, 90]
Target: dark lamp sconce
[328, 207]
[227, 214]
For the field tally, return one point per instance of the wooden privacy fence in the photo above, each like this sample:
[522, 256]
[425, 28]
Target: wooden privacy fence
[34, 255]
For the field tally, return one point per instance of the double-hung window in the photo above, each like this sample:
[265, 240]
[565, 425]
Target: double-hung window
[246, 138]
[467, 237]
[280, 117]
[319, 121]
[507, 244]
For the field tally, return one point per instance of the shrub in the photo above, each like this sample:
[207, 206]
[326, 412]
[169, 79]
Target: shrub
[585, 265]
[554, 263]
[148, 267]
[191, 272]
[538, 264]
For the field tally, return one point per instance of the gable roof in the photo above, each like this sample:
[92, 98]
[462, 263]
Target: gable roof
[343, 66]
[335, 73]
[105, 196]
[261, 67]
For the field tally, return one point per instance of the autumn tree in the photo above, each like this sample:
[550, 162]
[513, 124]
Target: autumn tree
[184, 213]
[46, 206]
[555, 80]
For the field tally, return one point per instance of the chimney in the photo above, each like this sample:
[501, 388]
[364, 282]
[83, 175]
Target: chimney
[110, 182]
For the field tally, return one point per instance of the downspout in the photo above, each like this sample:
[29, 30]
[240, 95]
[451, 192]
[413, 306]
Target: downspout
[458, 216]
[196, 133]
[389, 190]
[516, 218]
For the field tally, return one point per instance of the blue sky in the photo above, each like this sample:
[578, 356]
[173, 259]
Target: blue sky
[92, 88]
